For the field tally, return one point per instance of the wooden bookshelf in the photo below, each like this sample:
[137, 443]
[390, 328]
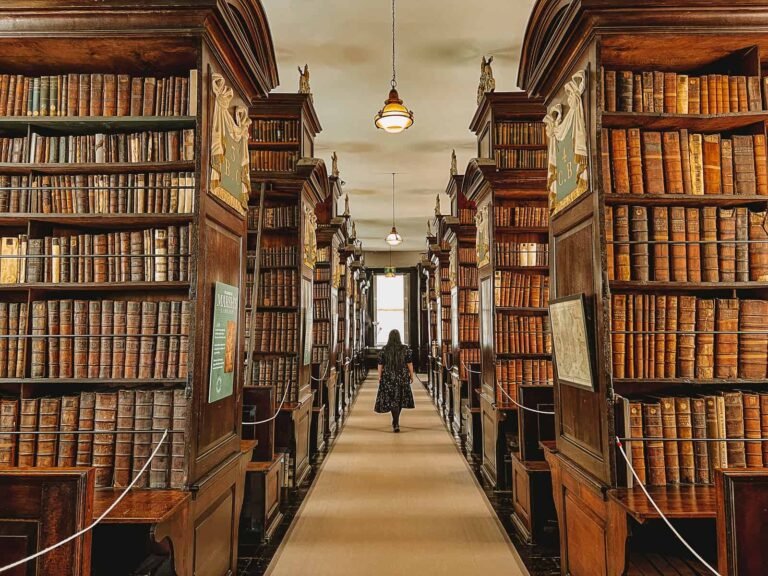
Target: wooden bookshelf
[705, 364]
[439, 254]
[432, 285]
[154, 370]
[423, 316]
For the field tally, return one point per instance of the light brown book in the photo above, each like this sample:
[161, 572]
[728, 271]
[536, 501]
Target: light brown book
[670, 92]
[764, 424]
[148, 339]
[753, 341]
[624, 90]
[726, 338]
[658, 91]
[705, 338]
[711, 162]
[605, 158]
[126, 409]
[673, 169]
[39, 341]
[694, 95]
[699, 431]
[162, 419]
[620, 162]
[96, 95]
[745, 177]
[753, 451]
[638, 232]
[178, 442]
[684, 425]
[734, 428]
[119, 325]
[693, 249]
[86, 423]
[648, 92]
[123, 96]
[677, 234]
[726, 229]
[133, 329]
[48, 425]
[635, 161]
[696, 163]
[761, 164]
[618, 338]
[621, 239]
[653, 166]
[109, 95]
[686, 349]
[142, 439]
[753, 94]
[726, 164]
[715, 422]
[94, 342]
[68, 422]
[9, 422]
[682, 94]
[652, 427]
[661, 247]
[105, 420]
[28, 423]
[758, 247]
[660, 323]
[709, 247]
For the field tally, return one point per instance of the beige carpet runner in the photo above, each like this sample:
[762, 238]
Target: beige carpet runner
[388, 503]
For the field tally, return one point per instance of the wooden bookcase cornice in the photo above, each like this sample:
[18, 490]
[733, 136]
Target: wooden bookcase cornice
[505, 106]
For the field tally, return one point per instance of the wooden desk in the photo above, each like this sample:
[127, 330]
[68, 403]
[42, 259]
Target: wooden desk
[139, 506]
[676, 502]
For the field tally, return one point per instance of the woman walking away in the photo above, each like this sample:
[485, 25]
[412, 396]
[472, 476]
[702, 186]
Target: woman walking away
[395, 377]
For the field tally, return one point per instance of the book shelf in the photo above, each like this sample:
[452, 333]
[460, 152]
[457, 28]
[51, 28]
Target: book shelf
[284, 126]
[423, 316]
[669, 257]
[108, 209]
[438, 253]
[360, 320]
[511, 254]
[431, 271]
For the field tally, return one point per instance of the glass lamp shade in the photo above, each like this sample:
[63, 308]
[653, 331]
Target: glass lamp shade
[393, 238]
[395, 116]
[389, 272]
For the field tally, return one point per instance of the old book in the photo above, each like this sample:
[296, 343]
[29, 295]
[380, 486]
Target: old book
[9, 422]
[734, 428]
[172, 369]
[758, 247]
[66, 344]
[710, 261]
[142, 439]
[48, 425]
[94, 342]
[753, 451]
[620, 162]
[753, 341]
[682, 94]
[105, 420]
[694, 95]
[696, 163]
[705, 338]
[761, 164]
[764, 424]
[109, 95]
[178, 444]
[670, 92]
[726, 229]
[677, 235]
[119, 321]
[638, 228]
[105, 345]
[618, 337]
[624, 89]
[659, 338]
[711, 162]
[605, 158]
[686, 348]
[39, 330]
[654, 446]
[162, 416]
[699, 432]
[68, 422]
[148, 106]
[635, 159]
[184, 340]
[647, 91]
[148, 339]
[653, 163]
[81, 340]
[726, 338]
[671, 449]
[9, 267]
[123, 97]
[28, 423]
[673, 169]
[133, 328]
[684, 425]
[726, 162]
[693, 248]
[753, 94]
[745, 178]
[658, 91]
[160, 365]
[84, 456]
[621, 239]
[661, 246]
[126, 408]
[715, 421]
[742, 247]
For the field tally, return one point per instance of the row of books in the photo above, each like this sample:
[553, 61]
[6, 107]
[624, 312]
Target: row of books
[273, 160]
[320, 355]
[469, 301]
[520, 290]
[671, 93]
[109, 339]
[98, 95]
[468, 277]
[274, 217]
[666, 336]
[445, 332]
[120, 429]
[469, 359]
[521, 216]
[278, 288]
[678, 162]
[324, 255]
[467, 216]
[276, 372]
[469, 328]
[322, 310]
[706, 244]
[152, 193]
[669, 426]
[151, 255]
[321, 291]
[467, 255]
[321, 274]
[288, 131]
[520, 133]
[276, 257]
[522, 254]
[522, 334]
[526, 159]
[155, 146]
[525, 372]
[321, 334]
[13, 350]
[276, 331]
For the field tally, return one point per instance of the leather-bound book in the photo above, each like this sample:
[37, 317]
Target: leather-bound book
[648, 92]
[660, 246]
[670, 92]
[126, 409]
[73, 88]
[148, 106]
[682, 94]
[732, 85]
[148, 338]
[105, 420]
[652, 426]
[686, 349]
[710, 259]
[637, 93]
[650, 336]
[753, 94]
[715, 415]
[684, 425]
[94, 342]
[673, 168]
[734, 428]
[39, 330]
[52, 311]
[694, 95]
[105, 345]
[84, 95]
[653, 163]
[696, 163]
[123, 97]
[21, 343]
[96, 96]
[119, 324]
[744, 174]
[81, 339]
[621, 239]
[624, 89]
[711, 161]
[133, 328]
[68, 422]
[28, 423]
[635, 428]
[693, 248]
[761, 164]
[9, 421]
[742, 247]
[109, 96]
[610, 255]
[753, 451]
[160, 365]
[705, 338]
[758, 247]
[638, 233]
[635, 158]
[678, 251]
[726, 165]
[741, 89]
[620, 161]
[137, 259]
[713, 93]
[753, 341]
[669, 431]
[726, 228]
[142, 439]
[178, 444]
[658, 91]
[34, 260]
[66, 344]
[162, 419]
[726, 338]
[172, 369]
[640, 338]
[764, 423]
[4, 341]
[605, 159]
[184, 340]
[48, 425]
[100, 258]
[659, 339]
[699, 432]
[618, 338]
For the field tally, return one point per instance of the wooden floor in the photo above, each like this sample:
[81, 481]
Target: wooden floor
[388, 503]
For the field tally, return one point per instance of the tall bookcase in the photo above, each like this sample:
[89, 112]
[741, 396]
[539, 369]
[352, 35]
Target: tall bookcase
[114, 198]
[668, 256]
[423, 316]
[438, 253]
[511, 251]
[294, 184]
[430, 271]
[343, 338]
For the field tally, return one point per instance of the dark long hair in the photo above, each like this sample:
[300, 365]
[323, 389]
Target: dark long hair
[394, 352]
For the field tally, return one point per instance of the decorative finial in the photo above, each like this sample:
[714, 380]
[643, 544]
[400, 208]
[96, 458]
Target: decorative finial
[487, 82]
[354, 230]
[346, 204]
[454, 167]
[334, 165]
[429, 227]
[437, 205]
[304, 80]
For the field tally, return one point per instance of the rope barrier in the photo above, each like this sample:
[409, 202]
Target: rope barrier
[661, 514]
[327, 366]
[516, 403]
[468, 369]
[95, 522]
[285, 395]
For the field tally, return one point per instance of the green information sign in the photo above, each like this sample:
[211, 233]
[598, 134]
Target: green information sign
[223, 341]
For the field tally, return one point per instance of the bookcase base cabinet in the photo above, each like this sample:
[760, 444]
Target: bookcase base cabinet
[263, 498]
[458, 397]
[331, 406]
[317, 430]
[293, 437]
[473, 429]
[493, 440]
[533, 508]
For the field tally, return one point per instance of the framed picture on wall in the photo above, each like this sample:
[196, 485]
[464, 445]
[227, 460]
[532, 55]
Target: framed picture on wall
[571, 341]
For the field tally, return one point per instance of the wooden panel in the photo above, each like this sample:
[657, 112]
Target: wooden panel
[213, 538]
[521, 492]
[490, 433]
[584, 530]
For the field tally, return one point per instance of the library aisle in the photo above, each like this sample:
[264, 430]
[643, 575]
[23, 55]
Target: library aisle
[388, 503]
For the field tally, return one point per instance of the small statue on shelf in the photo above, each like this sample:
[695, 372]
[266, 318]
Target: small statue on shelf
[487, 81]
[334, 165]
[454, 166]
[346, 204]
[304, 80]
[437, 205]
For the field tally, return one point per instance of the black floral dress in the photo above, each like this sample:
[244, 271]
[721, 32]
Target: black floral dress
[395, 386]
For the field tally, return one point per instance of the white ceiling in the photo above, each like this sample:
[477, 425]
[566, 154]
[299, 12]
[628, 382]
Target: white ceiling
[347, 44]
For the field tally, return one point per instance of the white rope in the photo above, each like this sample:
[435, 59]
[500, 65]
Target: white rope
[95, 522]
[653, 503]
[520, 405]
[327, 366]
[468, 369]
[285, 395]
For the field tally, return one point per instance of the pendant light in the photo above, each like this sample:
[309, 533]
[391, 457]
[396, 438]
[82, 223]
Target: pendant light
[393, 238]
[395, 116]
